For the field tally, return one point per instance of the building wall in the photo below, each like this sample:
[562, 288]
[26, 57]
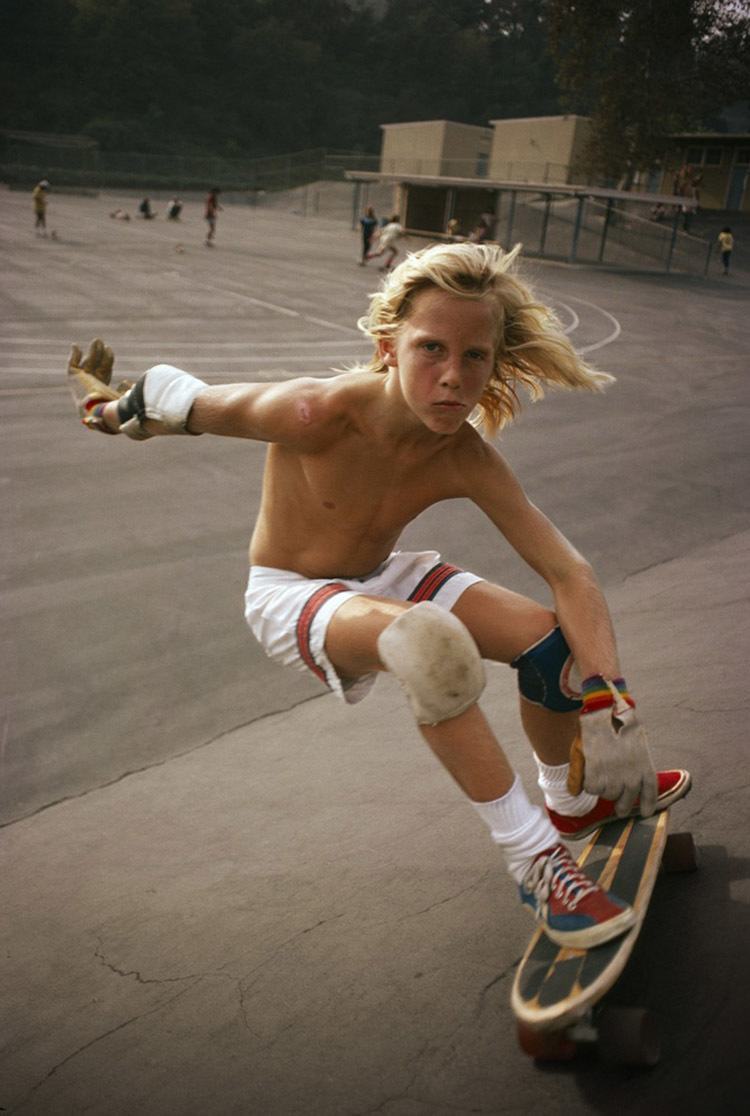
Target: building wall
[712, 169]
[435, 147]
[538, 148]
[414, 148]
[466, 150]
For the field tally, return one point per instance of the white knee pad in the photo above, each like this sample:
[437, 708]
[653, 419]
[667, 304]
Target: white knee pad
[435, 659]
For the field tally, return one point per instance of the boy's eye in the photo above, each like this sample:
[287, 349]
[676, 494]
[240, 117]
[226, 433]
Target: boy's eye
[432, 346]
[477, 354]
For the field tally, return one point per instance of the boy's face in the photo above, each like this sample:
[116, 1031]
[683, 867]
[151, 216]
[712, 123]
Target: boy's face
[443, 357]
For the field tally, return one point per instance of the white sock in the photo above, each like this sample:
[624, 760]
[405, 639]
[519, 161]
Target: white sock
[554, 784]
[520, 828]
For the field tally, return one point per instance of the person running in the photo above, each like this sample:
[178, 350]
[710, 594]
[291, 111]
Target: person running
[352, 460]
[211, 214]
[388, 239]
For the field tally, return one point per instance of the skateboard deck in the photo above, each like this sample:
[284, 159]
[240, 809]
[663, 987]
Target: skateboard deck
[556, 987]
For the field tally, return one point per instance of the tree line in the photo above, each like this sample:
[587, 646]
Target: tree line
[247, 78]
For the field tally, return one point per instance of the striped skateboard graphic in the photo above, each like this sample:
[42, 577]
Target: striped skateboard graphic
[556, 987]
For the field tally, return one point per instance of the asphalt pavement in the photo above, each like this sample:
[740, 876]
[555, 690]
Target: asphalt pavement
[225, 892]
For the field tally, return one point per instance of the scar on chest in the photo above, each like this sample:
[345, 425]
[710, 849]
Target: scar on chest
[329, 504]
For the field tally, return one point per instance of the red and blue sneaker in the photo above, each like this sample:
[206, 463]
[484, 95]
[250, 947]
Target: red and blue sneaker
[671, 786]
[572, 909]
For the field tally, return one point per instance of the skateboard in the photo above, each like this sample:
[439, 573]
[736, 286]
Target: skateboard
[557, 989]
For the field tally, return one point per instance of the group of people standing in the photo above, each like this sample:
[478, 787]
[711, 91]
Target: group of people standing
[174, 209]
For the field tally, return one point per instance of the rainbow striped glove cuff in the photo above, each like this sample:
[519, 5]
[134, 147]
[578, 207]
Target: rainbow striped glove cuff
[597, 693]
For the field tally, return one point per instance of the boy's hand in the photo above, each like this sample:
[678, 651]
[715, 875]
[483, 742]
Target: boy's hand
[610, 756]
[89, 380]
[158, 403]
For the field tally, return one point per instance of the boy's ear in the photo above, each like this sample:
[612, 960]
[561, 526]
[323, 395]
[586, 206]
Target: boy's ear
[387, 351]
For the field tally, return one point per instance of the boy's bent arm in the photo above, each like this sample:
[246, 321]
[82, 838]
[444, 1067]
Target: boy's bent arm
[579, 602]
[610, 756]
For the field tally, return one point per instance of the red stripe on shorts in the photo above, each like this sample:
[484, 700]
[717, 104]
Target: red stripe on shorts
[433, 581]
[305, 621]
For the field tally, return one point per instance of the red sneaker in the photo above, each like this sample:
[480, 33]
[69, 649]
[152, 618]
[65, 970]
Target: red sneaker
[671, 785]
[573, 910]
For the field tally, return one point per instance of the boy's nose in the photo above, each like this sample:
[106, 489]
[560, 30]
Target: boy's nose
[451, 376]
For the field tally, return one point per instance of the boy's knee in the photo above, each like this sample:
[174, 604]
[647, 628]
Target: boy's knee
[436, 660]
[547, 674]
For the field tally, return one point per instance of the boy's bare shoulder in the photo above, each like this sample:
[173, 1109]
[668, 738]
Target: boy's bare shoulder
[478, 459]
[323, 408]
[339, 396]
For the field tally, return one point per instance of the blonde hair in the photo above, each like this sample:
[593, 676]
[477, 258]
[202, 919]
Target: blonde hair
[532, 349]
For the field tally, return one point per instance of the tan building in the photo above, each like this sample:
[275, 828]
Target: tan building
[435, 147]
[539, 149]
[710, 168]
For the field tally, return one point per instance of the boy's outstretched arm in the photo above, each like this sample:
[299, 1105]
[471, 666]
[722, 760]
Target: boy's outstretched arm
[166, 400]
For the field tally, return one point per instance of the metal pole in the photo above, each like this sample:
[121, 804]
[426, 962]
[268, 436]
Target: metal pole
[545, 223]
[673, 241]
[511, 218]
[450, 204]
[356, 192]
[605, 228]
[577, 228]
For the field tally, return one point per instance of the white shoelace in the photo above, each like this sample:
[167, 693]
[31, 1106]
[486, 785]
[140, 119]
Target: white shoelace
[558, 874]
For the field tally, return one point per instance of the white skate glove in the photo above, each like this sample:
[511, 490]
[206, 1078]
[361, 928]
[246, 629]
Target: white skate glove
[610, 757]
[164, 394]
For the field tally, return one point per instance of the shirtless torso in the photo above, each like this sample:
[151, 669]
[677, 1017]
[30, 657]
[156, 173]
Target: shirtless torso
[336, 500]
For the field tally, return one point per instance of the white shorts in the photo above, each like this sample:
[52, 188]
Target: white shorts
[289, 614]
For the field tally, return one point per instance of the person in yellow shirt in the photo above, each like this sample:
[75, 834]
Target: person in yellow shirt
[726, 245]
[39, 197]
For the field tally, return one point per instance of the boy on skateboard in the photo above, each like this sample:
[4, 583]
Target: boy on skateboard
[351, 461]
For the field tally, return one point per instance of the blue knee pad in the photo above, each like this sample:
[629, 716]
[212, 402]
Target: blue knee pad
[544, 674]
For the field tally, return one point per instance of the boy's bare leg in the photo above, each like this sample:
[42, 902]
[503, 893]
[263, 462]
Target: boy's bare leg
[465, 745]
[469, 750]
[504, 624]
[549, 881]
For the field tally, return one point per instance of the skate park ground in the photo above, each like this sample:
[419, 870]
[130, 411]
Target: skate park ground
[223, 891]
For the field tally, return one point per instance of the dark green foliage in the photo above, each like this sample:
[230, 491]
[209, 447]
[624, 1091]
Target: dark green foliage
[647, 68]
[258, 77]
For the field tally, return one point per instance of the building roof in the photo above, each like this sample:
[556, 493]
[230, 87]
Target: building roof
[529, 119]
[510, 184]
[456, 123]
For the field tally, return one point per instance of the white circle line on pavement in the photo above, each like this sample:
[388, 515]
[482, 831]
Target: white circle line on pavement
[575, 321]
[616, 331]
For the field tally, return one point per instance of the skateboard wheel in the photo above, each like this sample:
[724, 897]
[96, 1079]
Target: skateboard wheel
[546, 1046]
[628, 1037]
[680, 853]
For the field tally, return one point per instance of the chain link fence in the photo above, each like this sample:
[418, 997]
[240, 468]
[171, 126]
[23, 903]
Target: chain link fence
[90, 168]
[589, 230]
